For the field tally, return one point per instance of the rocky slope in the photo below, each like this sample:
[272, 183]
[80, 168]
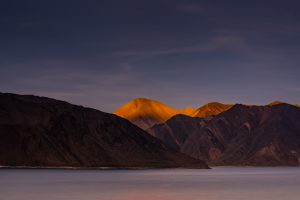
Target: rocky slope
[38, 131]
[175, 131]
[242, 135]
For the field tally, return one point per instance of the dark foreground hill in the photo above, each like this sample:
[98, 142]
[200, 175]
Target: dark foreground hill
[38, 131]
[242, 135]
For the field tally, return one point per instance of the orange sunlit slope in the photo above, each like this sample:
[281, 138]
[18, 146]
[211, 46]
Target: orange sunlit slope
[146, 112]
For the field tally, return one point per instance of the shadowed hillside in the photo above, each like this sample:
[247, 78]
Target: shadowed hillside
[242, 135]
[38, 131]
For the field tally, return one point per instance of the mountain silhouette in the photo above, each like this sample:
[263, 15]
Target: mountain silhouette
[43, 132]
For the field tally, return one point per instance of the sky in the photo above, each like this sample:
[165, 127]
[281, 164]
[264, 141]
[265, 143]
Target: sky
[104, 53]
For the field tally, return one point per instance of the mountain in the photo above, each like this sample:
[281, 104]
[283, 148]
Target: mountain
[211, 109]
[39, 131]
[146, 112]
[249, 135]
[242, 135]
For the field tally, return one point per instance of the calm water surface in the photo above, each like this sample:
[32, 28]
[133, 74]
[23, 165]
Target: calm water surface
[221, 183]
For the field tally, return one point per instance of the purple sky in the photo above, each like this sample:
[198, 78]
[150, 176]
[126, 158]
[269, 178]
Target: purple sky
[103, 54]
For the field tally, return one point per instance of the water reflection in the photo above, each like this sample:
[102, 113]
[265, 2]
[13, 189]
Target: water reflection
[224, 183]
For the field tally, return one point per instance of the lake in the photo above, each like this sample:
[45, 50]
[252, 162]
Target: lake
[220, 183]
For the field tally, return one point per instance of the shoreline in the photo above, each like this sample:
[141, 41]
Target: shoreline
[94, 168]
[131, 168]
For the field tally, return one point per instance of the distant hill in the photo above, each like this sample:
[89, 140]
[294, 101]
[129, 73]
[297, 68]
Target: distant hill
[146, 112]
[38, 131]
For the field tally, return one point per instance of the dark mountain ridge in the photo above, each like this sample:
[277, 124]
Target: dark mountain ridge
[243, 135]
[39, 131]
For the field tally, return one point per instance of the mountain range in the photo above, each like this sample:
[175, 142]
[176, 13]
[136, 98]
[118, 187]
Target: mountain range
[146, 113]
[242, 135]
[43, 132]
[235, 134]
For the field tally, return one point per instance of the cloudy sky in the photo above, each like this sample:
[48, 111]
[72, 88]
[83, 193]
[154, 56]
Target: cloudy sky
[102, 54]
